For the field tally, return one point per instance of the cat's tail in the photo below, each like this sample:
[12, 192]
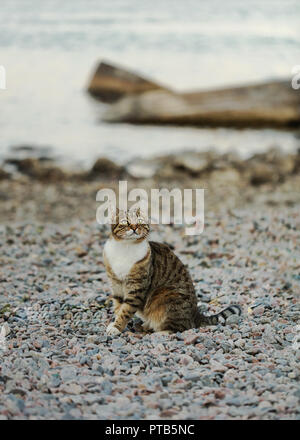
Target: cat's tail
[219, 318]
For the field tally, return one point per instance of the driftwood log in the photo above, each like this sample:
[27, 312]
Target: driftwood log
[110, 83]
[141, 101]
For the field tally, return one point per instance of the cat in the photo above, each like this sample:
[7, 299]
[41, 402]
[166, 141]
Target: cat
[150, 281]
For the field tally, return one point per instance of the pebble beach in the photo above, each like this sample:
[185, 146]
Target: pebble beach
[56, 360]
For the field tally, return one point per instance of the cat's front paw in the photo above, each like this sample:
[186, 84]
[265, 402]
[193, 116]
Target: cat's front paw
[112, 330]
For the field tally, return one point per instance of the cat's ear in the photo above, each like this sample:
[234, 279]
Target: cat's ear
[140, 212]
[142, 209]
[114, 214]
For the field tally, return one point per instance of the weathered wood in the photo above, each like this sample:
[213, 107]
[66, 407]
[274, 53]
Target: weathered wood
[273, 104]
[109, 83]
[141, 101]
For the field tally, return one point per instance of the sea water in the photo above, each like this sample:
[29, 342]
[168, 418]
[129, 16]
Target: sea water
[49, 50]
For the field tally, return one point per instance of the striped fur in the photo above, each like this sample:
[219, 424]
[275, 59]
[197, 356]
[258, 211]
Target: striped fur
[152, 283]
[221, 317]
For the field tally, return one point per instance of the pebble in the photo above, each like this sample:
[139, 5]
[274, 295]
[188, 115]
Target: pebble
[191, 339]
[233, 319]
[5, 330]
[216, 366]
[194, 377]
[72, 388]
[59, 363]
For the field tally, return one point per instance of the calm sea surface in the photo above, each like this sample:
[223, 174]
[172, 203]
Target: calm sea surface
[50, 48]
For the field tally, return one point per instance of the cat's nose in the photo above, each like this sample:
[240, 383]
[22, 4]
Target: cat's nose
[133, 227]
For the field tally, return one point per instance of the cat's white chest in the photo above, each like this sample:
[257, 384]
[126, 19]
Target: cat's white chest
[121, 256]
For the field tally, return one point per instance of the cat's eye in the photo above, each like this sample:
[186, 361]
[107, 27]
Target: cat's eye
[123, 222]
[140, 220]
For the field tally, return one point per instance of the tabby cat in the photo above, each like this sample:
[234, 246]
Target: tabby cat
[149, 280]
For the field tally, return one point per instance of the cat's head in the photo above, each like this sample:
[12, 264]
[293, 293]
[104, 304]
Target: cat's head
[130, 226]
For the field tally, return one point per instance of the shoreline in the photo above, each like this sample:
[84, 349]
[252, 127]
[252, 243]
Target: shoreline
[272, 165]
[41, 190]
